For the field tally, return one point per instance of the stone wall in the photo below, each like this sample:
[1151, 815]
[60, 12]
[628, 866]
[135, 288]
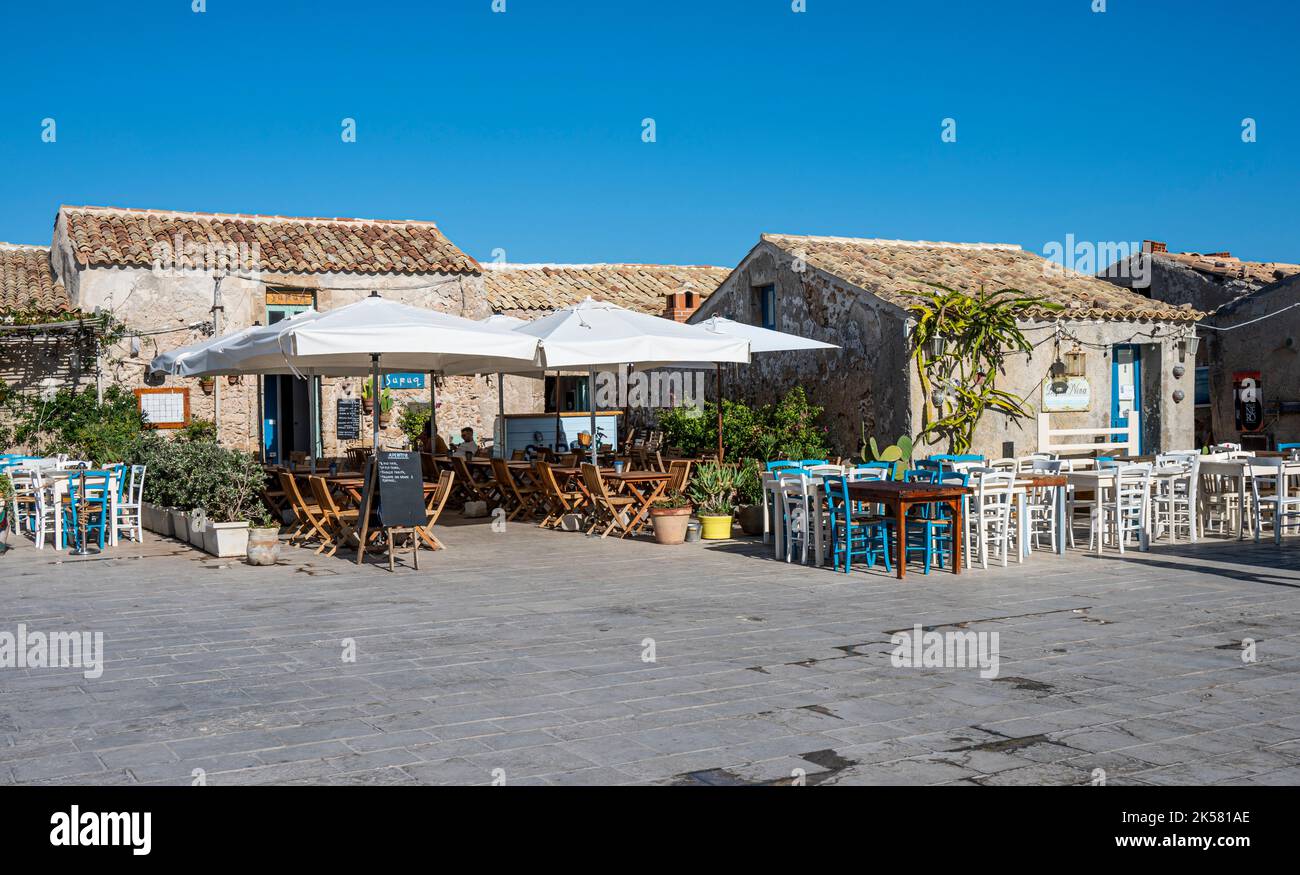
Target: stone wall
[864, 383]
[871, 383]
[167, 310]
[1270, 346]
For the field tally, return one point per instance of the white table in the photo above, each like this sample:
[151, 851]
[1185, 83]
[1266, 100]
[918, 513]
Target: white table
[1098, 480]
[1241, 470]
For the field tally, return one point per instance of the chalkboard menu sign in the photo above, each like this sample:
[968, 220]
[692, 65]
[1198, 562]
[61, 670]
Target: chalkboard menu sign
[347, 419]
[399, 489]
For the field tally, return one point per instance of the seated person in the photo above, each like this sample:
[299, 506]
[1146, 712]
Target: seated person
[467, 446]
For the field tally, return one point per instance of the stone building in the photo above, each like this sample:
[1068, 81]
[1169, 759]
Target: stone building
[167, 277]
[1125, 348]
[1214, 282]
[1254, 338]
[43, 346]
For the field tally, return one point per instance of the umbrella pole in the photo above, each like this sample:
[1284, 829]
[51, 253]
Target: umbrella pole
[315, 417]
[719, 411]
[591, 403]
[501, 415]
[560, 443]
[433, 413]
[376, 406]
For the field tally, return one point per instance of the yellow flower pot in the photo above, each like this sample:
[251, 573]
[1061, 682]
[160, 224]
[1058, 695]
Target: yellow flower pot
[715, 528]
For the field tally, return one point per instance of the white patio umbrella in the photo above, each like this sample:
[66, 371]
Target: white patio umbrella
[596, 335]
[374, 335]
[760, 340]
[501, 320]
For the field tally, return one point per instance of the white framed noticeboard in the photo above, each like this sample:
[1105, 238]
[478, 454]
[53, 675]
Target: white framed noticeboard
[1066, 395]
[164, 408]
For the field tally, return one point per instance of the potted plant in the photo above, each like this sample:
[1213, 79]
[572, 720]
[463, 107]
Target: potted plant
[207, 384]
[669, 517]
[713, 489]
[385, 407]
[367, 400]
[749, 494]
[263, 538]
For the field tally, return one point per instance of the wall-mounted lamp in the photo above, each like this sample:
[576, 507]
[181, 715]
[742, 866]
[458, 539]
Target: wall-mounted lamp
[1187, 345]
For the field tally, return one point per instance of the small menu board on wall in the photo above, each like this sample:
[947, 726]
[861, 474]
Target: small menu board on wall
[347, 419]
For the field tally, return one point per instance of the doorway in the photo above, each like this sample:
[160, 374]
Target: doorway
[1126, 387]
[287, 401]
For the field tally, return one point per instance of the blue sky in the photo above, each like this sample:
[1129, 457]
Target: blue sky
[523, 130]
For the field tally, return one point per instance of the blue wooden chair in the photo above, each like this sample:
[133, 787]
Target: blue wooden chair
[853, 534]
[89, 497]
[806, 462]
[929, 531]
[1284, 447]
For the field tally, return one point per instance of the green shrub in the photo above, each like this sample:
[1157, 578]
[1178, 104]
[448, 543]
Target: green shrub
[412, 420]
[227, 484]
[73, 422]
[787, 429]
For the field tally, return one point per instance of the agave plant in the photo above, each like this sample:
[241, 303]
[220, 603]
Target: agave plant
[977, 332]
[713, 489]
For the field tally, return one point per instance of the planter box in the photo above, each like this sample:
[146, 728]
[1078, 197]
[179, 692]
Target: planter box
[197, 536]
[180, 524]
[156, 519]
[226, 540]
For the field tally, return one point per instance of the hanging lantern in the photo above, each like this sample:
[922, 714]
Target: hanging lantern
[935, 346]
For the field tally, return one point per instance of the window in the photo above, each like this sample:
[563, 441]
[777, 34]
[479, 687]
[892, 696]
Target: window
[767, 306]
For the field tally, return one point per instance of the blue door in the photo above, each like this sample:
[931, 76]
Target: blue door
[1126, 386]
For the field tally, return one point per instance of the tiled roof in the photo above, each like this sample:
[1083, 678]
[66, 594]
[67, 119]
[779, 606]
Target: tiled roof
[895, 269]
[27, 281]
[641, 287]
[1225, 267]
[106, 236]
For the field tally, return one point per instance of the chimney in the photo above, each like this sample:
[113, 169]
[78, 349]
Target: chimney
[681, 305]
[1154, 246]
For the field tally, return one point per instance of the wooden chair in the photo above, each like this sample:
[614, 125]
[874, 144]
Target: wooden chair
[473, 489]
[437, 501]
[338, 526]
[612, 510]
[519, 499]
[429, 467]
[517, 456]
[569, 460]
[307, 524]
[275, 497]
[440, 446]
[679, 476]
[556, 500]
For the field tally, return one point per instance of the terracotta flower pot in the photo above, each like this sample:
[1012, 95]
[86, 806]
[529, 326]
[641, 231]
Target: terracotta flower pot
[670, 524]
[367, 406]
[206, 384]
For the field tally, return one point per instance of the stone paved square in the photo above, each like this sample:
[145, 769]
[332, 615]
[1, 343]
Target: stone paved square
[520, 654]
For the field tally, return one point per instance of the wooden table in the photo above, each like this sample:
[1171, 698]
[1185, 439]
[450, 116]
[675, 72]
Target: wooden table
[644, 486]
[899, 497]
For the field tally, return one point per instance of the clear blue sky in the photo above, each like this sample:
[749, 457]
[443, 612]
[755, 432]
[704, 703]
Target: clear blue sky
[523, 130]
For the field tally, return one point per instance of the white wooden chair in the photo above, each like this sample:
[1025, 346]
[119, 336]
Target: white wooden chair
[1272, 495]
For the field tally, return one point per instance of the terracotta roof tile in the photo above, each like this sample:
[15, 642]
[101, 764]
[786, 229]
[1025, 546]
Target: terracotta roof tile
[102, 236]
[27, 282]
[895, 269]
[642, 287]
[1226, 267]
